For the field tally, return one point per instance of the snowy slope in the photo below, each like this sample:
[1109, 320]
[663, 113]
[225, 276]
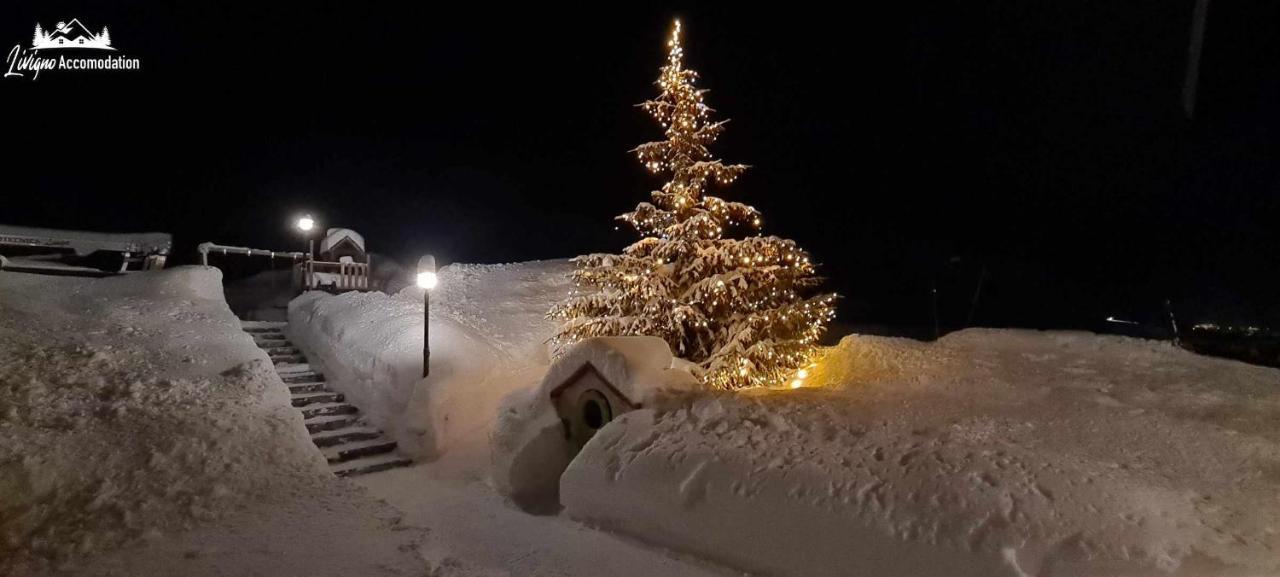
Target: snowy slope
[140, 428]
[488, 338]
[988, 453]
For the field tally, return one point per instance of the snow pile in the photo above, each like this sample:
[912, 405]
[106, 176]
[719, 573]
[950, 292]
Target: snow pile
[987, 453]
[530, 449]
[488, 338]
[132, 406]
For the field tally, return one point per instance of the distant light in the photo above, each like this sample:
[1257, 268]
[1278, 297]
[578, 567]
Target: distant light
[797, 384]
[427, 280]
[306, 223]
[802, 373]
[1120, 321]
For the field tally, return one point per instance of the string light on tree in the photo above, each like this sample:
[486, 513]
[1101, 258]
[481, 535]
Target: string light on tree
[733, 306]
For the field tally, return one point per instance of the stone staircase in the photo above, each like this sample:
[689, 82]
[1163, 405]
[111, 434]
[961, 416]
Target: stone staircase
[350, 446]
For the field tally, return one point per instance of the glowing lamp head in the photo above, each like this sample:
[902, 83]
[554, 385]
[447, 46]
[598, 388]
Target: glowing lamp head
[306, 223]
[427, 278]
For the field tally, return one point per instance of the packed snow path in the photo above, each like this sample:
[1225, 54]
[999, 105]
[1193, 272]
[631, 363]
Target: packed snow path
[349, 445]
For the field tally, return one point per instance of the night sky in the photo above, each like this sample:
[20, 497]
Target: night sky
[907, 147]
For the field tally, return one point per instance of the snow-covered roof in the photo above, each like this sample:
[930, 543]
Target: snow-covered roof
[86, 242]
[637, 367]
[335, 235]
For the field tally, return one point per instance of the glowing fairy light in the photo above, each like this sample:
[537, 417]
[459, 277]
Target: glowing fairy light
[736, 307]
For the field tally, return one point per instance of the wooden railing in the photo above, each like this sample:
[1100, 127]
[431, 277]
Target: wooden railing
[334, 276]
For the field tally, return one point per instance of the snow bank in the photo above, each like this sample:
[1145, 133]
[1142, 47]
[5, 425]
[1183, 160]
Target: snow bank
[134, 406]
[530, 448]
[488, 338]
[987, 453]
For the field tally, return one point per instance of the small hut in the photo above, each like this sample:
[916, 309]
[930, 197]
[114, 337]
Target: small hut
[343, 245]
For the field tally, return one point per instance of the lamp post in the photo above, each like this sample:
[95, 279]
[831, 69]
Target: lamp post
[426, 281]
[305, 224]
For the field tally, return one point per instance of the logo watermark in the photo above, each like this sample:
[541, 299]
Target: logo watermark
[74, 38]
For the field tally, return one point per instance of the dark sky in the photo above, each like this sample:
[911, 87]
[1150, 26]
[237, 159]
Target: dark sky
[907, 146]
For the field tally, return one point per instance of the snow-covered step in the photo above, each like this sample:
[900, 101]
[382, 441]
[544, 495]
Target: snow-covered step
[307, 388]
[371, 464]
[322, 409]
[322, 423]
[347, 443]
[357, 449]
[300, 377]
[292, 368]
[258, 331]
[281, 350]
[304, 399]
[345, 435]
[246, 325]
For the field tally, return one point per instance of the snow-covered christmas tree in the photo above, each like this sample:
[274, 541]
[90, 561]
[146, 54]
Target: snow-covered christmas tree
[734, 306]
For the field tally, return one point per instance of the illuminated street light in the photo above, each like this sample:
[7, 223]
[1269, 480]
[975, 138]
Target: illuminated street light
[305, 224]
[427, 280]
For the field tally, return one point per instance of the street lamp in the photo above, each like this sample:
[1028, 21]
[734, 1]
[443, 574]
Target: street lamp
[427, 280]
[305, 224]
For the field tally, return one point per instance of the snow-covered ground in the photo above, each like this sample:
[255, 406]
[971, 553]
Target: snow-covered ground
[1000, 453]
[987, 453]
[143, 433]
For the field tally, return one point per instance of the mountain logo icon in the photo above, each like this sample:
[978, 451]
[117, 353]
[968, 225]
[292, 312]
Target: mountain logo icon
[71, 34]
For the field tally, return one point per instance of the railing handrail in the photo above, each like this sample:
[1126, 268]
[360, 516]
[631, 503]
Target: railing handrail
[351, 275]
[207, 247]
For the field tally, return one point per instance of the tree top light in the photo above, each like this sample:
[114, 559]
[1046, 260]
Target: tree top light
[306, 223]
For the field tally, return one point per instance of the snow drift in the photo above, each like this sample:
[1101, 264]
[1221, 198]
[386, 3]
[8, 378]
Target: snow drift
[142, 432]
[986, 453]
[132, 406]
[488, 338]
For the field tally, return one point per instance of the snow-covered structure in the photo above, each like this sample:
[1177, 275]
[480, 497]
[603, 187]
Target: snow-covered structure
[342, 245]
[541, 429]
[341, 264]
[134, 250]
